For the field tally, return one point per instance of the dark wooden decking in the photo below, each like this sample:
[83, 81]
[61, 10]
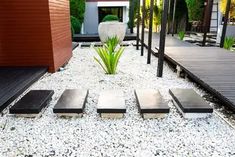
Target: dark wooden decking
[95, 37]
[14, 81]
[213, 68]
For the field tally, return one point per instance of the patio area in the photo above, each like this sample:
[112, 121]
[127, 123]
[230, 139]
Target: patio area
[90, 135]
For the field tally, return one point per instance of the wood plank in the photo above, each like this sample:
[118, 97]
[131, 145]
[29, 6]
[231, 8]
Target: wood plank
[15, 80]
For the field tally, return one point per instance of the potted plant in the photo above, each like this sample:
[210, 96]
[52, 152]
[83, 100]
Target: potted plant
[111, 27]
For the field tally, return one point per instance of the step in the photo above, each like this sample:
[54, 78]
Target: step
[32, 104]
[190, 104]
[71, 103]
[151, 104]
[111, 104]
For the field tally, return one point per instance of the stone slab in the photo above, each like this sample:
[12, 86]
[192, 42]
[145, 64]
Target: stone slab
[188, 101]
[111, 101]
[32, 103]
[71, 101]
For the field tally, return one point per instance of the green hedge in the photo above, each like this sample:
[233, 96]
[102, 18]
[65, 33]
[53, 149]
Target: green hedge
[77, 12]
[75, 24]
[110, 18]
[195, 9]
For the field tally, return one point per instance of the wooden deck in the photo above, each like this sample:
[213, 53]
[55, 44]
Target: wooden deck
[212, 68]
[14, 81]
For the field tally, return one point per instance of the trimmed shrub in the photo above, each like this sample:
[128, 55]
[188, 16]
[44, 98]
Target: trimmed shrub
[75, 24]
[110, 18]
[229, 42]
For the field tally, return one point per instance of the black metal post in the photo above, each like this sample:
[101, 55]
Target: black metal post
[225, 24]
[138, 25]
[132, 16]
[150, 32]
[173, 20]
[169, 13]
[162, 39]
[207, 20]
[142, 31]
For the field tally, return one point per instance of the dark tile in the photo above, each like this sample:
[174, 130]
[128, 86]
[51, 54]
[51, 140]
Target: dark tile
[150, 101]
[189, 101]
[111, 101]
[71, 101]
[33, 102]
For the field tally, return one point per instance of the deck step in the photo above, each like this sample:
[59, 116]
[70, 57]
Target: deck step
[32, 103]
[190, 104]
[151, 104]
[71, 103]
[111, 104]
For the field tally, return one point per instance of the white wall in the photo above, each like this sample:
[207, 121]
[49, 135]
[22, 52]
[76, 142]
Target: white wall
[91, 20]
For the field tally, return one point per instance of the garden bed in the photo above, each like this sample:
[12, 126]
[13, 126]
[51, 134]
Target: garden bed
[130, 136]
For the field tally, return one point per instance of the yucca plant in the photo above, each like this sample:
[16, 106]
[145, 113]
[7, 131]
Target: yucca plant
[109, 55]
[181, 35]
[229, 42]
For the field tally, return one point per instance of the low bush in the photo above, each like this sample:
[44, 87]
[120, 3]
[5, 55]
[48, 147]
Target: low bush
[229, 42]
[109, 55]
[110, 18]
[75, 24]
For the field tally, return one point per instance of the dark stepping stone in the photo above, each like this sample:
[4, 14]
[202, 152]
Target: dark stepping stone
[32, 103]
[151, 104]
[71, 103]
[190, 104]
[111, 104]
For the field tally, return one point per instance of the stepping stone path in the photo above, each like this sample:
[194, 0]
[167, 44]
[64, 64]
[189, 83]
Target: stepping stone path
[151, 104]
[71, 103]
[111, 104]
[190, 104]
[32, 103]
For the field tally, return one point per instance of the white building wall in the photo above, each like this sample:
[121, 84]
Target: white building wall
[91, 20]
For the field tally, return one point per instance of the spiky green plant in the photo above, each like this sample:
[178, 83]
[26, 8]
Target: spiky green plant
[181, 35]
[229, 42]
[109, 55]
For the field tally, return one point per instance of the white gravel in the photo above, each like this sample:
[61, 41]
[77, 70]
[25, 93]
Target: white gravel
[130, 136]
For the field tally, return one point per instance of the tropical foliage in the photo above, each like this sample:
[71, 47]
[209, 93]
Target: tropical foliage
[75, 24]
[110, 18]
[229, 42]
[195, 9]
[109, 55]
[223, 4]
[181, 35]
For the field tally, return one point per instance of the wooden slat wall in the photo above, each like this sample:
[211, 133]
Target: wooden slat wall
[60, 27]
[26, 34]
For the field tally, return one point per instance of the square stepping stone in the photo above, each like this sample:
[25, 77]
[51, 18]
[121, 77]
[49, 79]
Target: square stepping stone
[190, 104]
[151, 104]
[32, 104]
[111, 104]
[71, 103]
